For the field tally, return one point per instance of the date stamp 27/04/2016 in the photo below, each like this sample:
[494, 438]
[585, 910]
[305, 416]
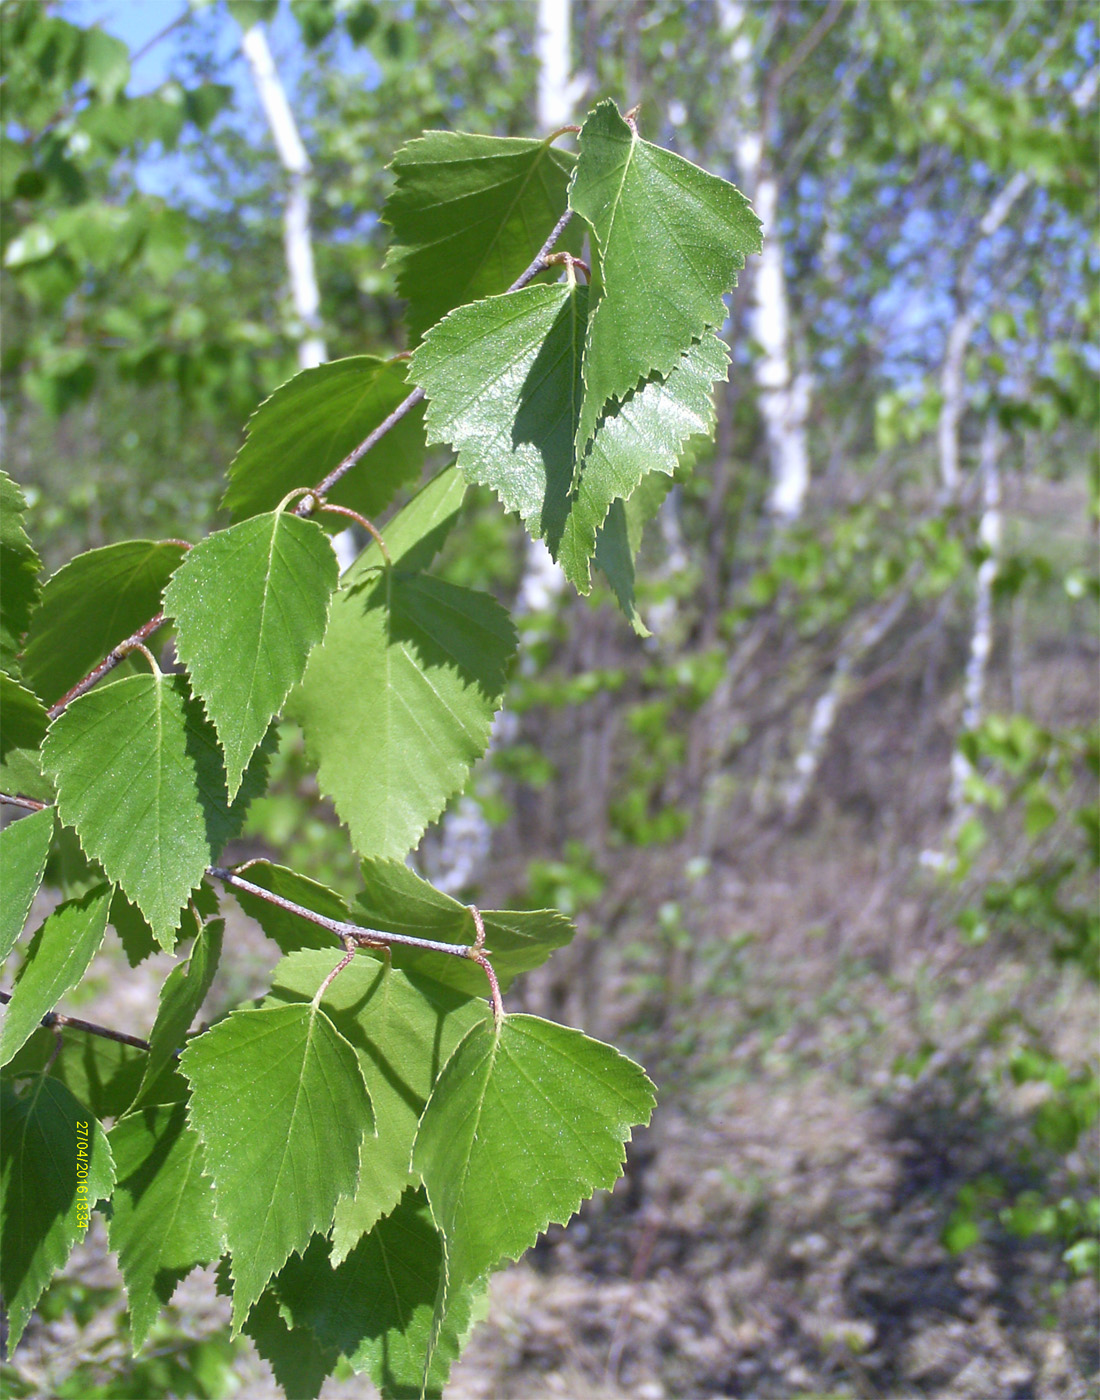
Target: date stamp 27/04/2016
[83, 1205]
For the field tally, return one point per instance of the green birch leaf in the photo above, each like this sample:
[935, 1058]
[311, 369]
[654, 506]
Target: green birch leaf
[377, 1307]
[402, 1031]
[311, 423]
[23, 724]
[57, 959]
[504, 387]
[290, 931]
[162, 1212]
[24, 846]
[44, 1202]
[646, 433]
[181, 997]
[90, 605]
[397, 900]
[468, 215]
[398, 701]
[101, 1073]
[615, 560]
[658, 293]
[19, 566]
[299, 1362]
[526, 1121]
[278, 1099]
[140, 778]
[279, 572]
[133, 931]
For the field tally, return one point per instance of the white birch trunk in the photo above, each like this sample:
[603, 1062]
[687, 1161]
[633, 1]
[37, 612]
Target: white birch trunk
[297, 242]
[784, 396]
[828, 705]
[297, 239]
[981, 632]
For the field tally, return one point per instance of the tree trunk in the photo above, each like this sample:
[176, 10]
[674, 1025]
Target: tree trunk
[784, 396]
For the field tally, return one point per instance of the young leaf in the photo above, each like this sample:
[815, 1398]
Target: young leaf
[279, 1102]
[182, 995]
[24, 727]
[288, 930]
[162, 1212]
[503, 379]
[377, 1307]
[526, 1120]
[57, 959]
[19, 566]
[24, 846]
[396, 900]
[311, 423]
[658, 293]
[250, 603]
[45, 1197]
[140, 778]
[398, 700]
[468, 214]
[96, 601]
[402, 1031]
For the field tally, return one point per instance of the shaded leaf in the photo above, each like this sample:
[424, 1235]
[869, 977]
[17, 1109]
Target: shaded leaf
[398, 700]
[19, 566]
[417, 532]
[181, 997]
[402, 1031]
[44, 1202]
[250, 603]
[468, 215]
[300, 1362]
[24, 846]
[311, 423]
[57, 959]
[90, 605]
[660, 292]
[162, 1212]
[140, 778]
[23, 724]
[278, 1099]
[104, 1074]
[377, 1307]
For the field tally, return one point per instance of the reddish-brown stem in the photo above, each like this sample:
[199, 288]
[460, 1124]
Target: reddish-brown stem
[109, 662]
[54, 1020]
[562, 131]
[568, 260]
[28, 802]
[494, 986]
[323, 988]
[307, 506]
[359, 520]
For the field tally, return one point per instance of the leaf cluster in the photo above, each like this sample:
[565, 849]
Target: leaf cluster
[366, 1142]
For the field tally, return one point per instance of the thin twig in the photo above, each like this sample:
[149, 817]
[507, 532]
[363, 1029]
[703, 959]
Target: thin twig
[109, 662]
[363, 937]
[55, 1019]
[28, 802]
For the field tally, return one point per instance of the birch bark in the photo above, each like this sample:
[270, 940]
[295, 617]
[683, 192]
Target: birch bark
[784, 395]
